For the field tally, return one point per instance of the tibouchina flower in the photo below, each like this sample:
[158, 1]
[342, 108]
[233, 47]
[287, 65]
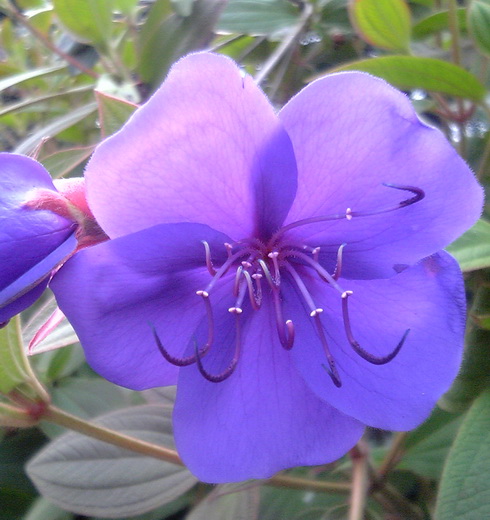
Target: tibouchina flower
[284, 270]
[40, 227]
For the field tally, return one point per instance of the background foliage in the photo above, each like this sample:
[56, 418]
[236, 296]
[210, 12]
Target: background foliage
[71, 73]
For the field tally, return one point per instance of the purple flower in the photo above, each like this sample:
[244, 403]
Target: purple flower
[284, 270]
[32, 241]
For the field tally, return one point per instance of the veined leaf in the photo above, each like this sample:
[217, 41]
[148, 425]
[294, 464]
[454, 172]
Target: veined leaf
[89, 21]
[465, 486]
[383, 23]
[479, 24]
[258, 17]
[94, 478]
[472, 249]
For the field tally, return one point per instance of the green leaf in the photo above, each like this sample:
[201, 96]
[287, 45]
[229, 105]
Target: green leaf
[258, 17]
[382, 23]
[89, 21]
[474, 375]
[42, 509]
[411, 72]
[183, 7]
[427, 446]
[12, 358]
[224, 503]
[15, 450]
[437, 22]
[25, 103]
[85, 398]
[91, 477]
[472, 249]
[479, 24]
[465, 486]
[170, 36]
[55, 127]
[11, 81]
[113, 112]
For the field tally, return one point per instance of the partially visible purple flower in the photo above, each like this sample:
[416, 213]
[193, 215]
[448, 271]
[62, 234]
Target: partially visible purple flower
[39, 228]
[285, 271]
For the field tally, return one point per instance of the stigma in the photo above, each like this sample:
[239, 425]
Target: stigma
[259, 268]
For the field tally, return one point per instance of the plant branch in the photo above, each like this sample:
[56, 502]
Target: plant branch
[359, 482]
[90, 429]
[19, 17]
[281, 49]
[62, 418]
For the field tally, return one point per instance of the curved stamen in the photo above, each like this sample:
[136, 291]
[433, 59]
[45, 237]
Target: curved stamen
[349, 214]
[375, 360]
[179, 362]
[277, 273]
[285, 329]
[218, 378]
[209, 262]
[315, 314]
[419, 195]
[226, 265]
[331, 369]
[338, 267]
[185, 361]
[255, 300]
[324, 274]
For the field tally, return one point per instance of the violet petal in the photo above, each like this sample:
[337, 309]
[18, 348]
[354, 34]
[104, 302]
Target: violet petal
[261, 419]
[351, 133]
[116, 292]
[428, 299]
[206, 148]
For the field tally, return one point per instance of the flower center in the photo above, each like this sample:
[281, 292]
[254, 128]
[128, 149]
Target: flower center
[259, 268]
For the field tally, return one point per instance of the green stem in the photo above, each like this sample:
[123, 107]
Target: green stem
[286, 481]
[484, 162]
[57, 416]
[359, 482]
[392, 458]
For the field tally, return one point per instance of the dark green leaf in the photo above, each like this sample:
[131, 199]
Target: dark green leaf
[428, 446]
[411, 72]
[91, 477]
[258, 17]
[465, 486]
[479, 24]
[383, 23]
[472, 249]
